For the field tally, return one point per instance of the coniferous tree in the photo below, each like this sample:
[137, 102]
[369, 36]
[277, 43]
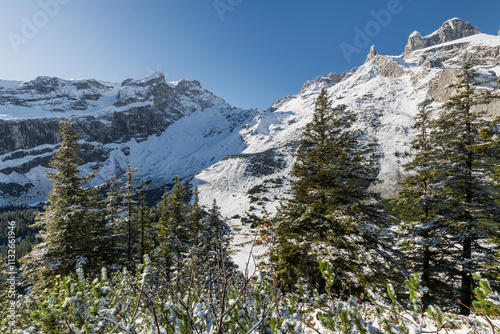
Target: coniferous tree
[144, 222]
[114, 222]
[195, 218]
[216, 237]
[173, 237]
[332, 215]
[462, 152]
[70, 224]
[130, 217]
[424, 236]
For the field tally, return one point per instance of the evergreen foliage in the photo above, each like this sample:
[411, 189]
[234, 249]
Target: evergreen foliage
[196, 218]
[114, 223]
[448, 201]
[125, 302]
[130, 218]
[146, 243]
[173, 236]
[462, 155]
[330, 241]
[25, 230]
[332, 214]
[425, 234]
[70, 222]
[214, 241]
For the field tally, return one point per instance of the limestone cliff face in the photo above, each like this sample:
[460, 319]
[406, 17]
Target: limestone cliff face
[105, 115]
[173, 128]
[139, 109]
[450, 30]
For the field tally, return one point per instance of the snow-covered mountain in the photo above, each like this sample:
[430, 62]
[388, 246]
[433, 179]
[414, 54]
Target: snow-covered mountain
[385, 92]
[241, 158]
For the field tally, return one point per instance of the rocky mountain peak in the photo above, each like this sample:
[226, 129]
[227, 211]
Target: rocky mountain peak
[372, 54]
[155, 77]
[450, 30]
[186, 84]
[42, 84]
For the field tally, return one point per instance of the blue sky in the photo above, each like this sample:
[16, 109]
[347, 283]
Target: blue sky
[249, 52]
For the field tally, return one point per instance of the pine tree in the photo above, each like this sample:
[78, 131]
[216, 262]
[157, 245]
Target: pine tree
[114, 222]
[144, 223]
[173, 236]
[130, 217]
[195, 218]
[70, 224]
[462, 155]
[216, 238]
[425, 234]
[331, 215]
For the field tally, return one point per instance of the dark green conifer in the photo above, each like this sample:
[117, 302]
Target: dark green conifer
[71, 230]
[195, 218]
[216, 236]
[130, 218]
[144, 223]
[332, 215]
[173, 237]
[462, 154]
[114, 222]
[424, 236]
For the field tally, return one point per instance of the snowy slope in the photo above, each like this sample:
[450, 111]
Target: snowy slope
[385, 93]
[241, 158]
[385, 105]
[133, 122]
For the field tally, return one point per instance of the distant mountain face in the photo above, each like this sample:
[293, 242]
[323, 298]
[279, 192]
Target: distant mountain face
[114, 121]
[242, 158]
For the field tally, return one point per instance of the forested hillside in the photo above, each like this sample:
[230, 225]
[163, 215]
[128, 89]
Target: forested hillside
[335, 262]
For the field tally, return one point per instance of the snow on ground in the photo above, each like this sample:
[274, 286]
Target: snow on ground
[246, 251]
[217, 148]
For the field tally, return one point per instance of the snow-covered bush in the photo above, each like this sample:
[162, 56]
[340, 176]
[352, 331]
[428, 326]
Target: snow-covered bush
[143, 303]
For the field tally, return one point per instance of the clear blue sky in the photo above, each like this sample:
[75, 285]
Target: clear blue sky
[249, 52]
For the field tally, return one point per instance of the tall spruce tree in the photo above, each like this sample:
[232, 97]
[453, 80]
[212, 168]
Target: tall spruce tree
[114, 222]
[425, 235]
[195, 218]
[130, 218]
[462, 153]
[216, 236]
[71, 230]
[332, 215]
[144, 222]
[173, 237]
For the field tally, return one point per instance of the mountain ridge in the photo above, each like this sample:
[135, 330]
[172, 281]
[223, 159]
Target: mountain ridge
[241, 158]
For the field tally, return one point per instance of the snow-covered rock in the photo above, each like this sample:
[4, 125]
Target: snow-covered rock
[241, 158]
[372, 54]
[385, 93]
[113, 119]
[450, 30]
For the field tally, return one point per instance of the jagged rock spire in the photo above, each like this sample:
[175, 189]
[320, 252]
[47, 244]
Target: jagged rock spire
[372, 54]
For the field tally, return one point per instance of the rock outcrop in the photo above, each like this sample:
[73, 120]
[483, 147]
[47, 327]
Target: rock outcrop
[450, 30]
[372, 54]
[173, 128]
[140, 108]
[106, 116]
[327, 80]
